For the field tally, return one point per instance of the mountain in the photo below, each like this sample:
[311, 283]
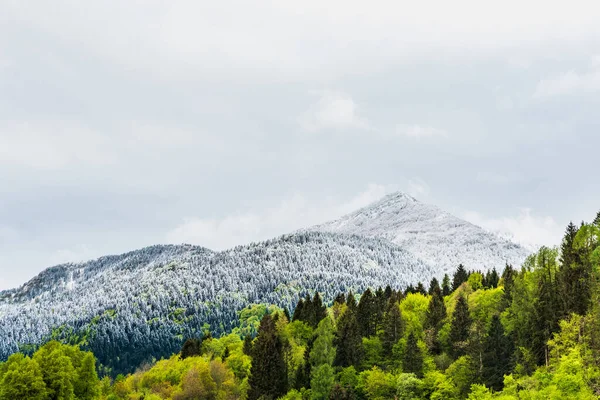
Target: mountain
[431, 234]
[143, 304]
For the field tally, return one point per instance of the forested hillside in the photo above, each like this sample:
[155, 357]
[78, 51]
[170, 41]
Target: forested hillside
[132, 308]
[526, 333]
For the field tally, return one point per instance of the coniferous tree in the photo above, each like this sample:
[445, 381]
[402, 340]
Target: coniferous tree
[319, 311]
[191, 348]
[268, 375]
[366, 314]
[409, 289]
[434, 319]
[413, 357]
[493, 279]
[303, 372]
[247, 349]
[393, 326]
[348, 340]
[340, 299]
[421, 289]
[497, 352]
[573, 276]
[433, 285]
[508, 278]
[460, 326]
[351, 301]
[460, 276]
[446, 288]
[597, 219]
[388, 292]
[299, 311]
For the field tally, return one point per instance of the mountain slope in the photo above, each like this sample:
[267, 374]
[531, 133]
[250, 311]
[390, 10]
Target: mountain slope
[142, 304]
[435, 236]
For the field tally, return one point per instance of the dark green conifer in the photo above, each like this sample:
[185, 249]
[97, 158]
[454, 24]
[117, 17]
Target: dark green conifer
[268, 371]
[393, 326]
[299, 311]
[413, 357]
[348, 340]
[497, 352]
[460, 326]
[366, 314]
[191, 348]
[433, 285]
[434, 320]
[446, 289]
[460, 276]
[247, 349]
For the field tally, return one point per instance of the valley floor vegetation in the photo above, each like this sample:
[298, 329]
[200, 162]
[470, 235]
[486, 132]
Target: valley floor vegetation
[528, 333]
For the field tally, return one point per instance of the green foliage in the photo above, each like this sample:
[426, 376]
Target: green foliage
[460, 326]
[22, 379]
[322, 382]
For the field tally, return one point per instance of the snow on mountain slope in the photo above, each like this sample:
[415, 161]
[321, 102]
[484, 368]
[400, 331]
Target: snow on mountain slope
[142, 304]
[432, 235]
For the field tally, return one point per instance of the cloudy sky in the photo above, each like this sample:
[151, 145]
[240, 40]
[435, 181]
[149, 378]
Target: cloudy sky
[130, 123]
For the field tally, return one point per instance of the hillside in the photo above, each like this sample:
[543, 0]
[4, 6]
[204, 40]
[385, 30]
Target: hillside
[139, 305]
[431, 234]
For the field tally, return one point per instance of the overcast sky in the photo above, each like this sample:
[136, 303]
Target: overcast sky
[130, 123]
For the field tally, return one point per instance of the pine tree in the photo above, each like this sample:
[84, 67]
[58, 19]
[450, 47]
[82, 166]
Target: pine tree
[319, 311]
[393, 326]
[366, 314]
[597, 219]
[434, 319]
[433, 285]
[460, 276]
[460, 326]
[497, 352]
[351, 301]
[299, 311]
[421, 289]
[268, 375]
[348, 341]
[446, 289]
[493, 279]
[340, 299]
[508, 279]
[303, 372]
[247, 349]
[191, 348]
[388, 292]
[573, 277]
[413, 357]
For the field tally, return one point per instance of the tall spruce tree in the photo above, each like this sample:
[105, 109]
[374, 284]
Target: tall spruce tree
[412, 361]
[460, 276]
[393, 326]
[366, 314]
[319, 311]
[434, 319]
[433, 285]
[497, 353]
[268, 375]
[299, 311]
[421, 289]
[446, 288]
[348, 340]
[351, 301]
[460, 326]
[508, 278]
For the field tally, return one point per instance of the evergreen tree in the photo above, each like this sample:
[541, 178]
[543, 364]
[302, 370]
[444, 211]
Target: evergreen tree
[597, 220]
[434, 319]
[421, 289]
[299, 311]
[460, 326]
[348, 341]
[388, 292]
[393, 326]
[340, 299]
[460, 276]
[508, 278]
[497, 352]
[493, 279]
[366, 314]
[303, 372]
[433, 286]
[247, 349]
[573, 277]
[318, 312]
[351, 301]
[268, 375]
[191, 348]
[323, 351]
[446, 289]
[413, 357]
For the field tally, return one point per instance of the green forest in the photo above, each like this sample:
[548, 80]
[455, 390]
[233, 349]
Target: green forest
[522, 333]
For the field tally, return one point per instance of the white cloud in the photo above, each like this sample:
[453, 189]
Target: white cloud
[525, 228]
[290, 215]
[570, 82]
[419, 131]
[335, 111]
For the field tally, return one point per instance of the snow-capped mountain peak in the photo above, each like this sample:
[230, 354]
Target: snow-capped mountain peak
[431, 234]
